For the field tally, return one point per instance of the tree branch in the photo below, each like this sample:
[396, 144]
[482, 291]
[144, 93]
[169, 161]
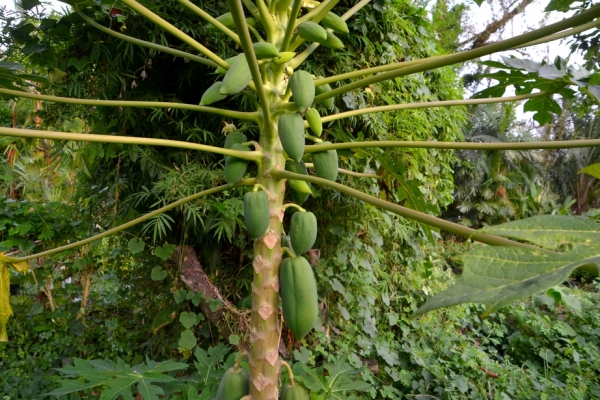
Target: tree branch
[254, 156]
[245, 182]
[143, 43]
[246, 116]
[481, 38]
[406, 212]
[226, 317]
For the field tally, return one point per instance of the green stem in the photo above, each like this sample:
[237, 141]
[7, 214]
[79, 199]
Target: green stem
[238, 360]
[467, 55]
[431, 104]
[211, 20]
[237, 11]
[254, 156]
[406, 212]
[290, 252]
[143, 43]
[288, 205]
[252, 9]
[289, 370]
[267, 19]
[559, 144]
[174, 31]
[351, 173]
[245, 182]
[255, 33]
[289, 30]
[246, 116]
[564, 34]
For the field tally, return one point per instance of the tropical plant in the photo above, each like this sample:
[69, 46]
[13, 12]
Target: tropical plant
[278, 102]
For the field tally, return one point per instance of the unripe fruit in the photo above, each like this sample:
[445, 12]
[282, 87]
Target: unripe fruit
[284, 56]
[291, 134]
[303, 231]
[333, 42]
[256, 213]
[233, 138]
[326, 163]
[265, 50]
[335, 22]
[234, 385]
[235, 168]
[296, 392]
[303, 89]
[212, 94]
[299, 299]
[297, 168]
[238, 76]
[314, 121]
[312, 32]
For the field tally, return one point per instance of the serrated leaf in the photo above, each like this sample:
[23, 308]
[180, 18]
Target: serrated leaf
[543, 107]
[593, 170]
[520, 63]
[118, 378]
[207, 362]
[497, 276]
[549, 71]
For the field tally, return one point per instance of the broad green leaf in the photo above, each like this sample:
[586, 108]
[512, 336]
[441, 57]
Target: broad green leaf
[595, 91]
[543, 107]
[208, 361]
[136, 245]
[158, 274]
[188, 319]
[187, 340]
[549, 71]
[593, 170]
[497, 276]
[234, 340]
[164, 252]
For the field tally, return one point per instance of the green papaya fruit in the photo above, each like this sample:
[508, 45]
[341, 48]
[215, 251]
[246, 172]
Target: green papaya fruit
[333, 42]
[335, 22]
[299, 299]
[265, 50]
[284, 56]
[235, 168]
[299, 168]
[212, 94]
[300, 187]
[291, 134]
[296, 392]
[314, 121]
[234, 385]
[327, 103]
[227, 20]
[238, 76]
[312, 32]
[256, 213]
[303, 231]
[326, 163]
[222, 71]
[303, 89]
[233, 138]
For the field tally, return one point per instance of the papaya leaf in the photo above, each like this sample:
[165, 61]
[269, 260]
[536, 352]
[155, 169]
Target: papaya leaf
[542, 107]
[559, 5]
[593, 170]
[496, 276]
[118, 378]
[207, 363]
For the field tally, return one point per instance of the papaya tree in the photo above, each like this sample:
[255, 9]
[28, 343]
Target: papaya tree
[291, 107]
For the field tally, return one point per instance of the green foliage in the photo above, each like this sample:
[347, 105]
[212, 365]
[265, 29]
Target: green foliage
[118, 378]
